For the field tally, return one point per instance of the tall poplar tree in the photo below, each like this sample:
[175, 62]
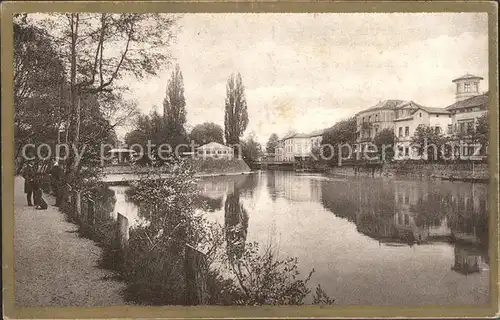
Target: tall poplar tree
[174, 108]
[236, 115]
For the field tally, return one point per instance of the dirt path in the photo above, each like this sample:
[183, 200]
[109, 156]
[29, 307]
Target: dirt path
[52, 265]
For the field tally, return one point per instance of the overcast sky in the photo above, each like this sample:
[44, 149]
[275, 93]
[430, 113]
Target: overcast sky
[307, 71]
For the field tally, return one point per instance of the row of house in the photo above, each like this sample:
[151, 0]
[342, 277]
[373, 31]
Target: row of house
[403, 117]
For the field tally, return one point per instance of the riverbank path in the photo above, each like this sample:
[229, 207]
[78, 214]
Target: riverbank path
[53, 266]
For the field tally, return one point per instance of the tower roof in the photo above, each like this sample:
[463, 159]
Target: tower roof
[466, 77]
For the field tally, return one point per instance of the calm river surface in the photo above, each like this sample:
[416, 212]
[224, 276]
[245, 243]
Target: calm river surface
[370, 240]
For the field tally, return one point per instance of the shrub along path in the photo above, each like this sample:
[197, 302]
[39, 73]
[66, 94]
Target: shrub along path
[53, 266]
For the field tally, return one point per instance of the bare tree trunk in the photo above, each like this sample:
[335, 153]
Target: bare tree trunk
[76, 139]
[73, 112]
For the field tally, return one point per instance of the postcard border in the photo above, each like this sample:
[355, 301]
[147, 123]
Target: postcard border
[209, 312]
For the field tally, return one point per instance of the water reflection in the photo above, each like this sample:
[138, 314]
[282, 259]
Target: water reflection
[361, 233]
[412, 212]
[235, 225]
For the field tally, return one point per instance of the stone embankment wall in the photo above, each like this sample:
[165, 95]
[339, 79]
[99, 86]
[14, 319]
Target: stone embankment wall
[456, 171]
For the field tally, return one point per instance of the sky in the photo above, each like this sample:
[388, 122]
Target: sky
[305, 72]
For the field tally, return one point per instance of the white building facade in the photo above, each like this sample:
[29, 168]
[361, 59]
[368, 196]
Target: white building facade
[297, 146]
[404, 128]
[215, 150]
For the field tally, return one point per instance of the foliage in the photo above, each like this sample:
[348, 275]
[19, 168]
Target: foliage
[251, 149]
[99, 49]
[38, 85]
[386, 138]
[481, 133]
[154, 260]
[110, 46]
[211, 165]
[264, 279]
[272, 143]
[343, 132]
[428, 142]
[236, 115]
[320, 297]
[148, 128]
[207, 132]
[174, 108]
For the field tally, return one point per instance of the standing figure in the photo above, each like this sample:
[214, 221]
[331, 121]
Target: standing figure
[56, 175]
[40, 203]
[29, 179]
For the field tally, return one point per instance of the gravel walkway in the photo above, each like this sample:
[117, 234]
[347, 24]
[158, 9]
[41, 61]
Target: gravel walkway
[52, 265]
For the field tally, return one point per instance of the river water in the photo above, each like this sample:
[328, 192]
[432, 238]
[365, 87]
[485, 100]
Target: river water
[371, 241]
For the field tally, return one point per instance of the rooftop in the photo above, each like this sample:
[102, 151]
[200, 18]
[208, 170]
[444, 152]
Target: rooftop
[390, 104]
[213, 145]
[467, 76]
[434, 110]
[116, 150]
[314, 133]
[475, 101]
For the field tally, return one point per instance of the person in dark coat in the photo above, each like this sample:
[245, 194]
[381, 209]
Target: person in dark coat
[56, 175]
[40, 203]
[29, 178]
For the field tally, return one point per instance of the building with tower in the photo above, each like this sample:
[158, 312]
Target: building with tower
[469, 106]
[467, 86]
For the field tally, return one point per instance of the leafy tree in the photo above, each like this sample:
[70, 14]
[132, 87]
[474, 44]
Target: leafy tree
[251, 149]
[39, 85]
[343, 132]
[482, 131]
[154, 263]
[100, 48]
[174, 108]
[207, 132]
[428, 142]
[148, 128]
[385, 139]
[272, 143]
[236, 115]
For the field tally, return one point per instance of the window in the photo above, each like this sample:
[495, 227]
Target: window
[407, 151]
[400, 131]
[470, 126]
[437, 115]
[407, 131]
[437, 129]
[475, 87]
[420, 114]
[450, 128]
[376, 117]
[462, 127]
[467, 87]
